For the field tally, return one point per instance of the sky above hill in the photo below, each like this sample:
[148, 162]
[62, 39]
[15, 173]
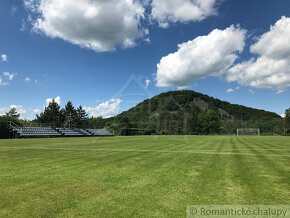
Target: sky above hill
[109, 55]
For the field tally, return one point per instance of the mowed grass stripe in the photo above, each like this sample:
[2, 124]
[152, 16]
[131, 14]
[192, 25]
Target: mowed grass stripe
[210, 176]
[251, 176]
[149, 151]
[273, 170]
[259, 145]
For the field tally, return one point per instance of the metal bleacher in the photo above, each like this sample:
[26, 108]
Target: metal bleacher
[16, 131]
[38, 131]
[33, 131]
[100, 132]
[73, 132]
[84, 132]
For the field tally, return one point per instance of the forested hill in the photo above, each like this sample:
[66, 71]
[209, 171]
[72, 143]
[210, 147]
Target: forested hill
[189, 112]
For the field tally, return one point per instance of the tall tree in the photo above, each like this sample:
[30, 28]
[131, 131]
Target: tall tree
[69, 111]
[51, 114]
[81, 116]
[12, 113]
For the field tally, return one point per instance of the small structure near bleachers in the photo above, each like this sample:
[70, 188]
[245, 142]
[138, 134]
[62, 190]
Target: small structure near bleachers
[132, 132]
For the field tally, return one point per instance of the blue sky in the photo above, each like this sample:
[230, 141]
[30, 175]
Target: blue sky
[101, 59]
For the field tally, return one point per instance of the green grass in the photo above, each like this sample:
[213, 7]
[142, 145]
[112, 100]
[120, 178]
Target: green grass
[146, 176]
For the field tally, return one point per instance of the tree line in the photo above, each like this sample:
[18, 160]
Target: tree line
[53, 115]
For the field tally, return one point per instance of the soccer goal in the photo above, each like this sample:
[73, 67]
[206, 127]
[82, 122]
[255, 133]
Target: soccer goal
[248, 131]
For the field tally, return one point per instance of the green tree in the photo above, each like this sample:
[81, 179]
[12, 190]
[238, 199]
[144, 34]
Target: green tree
[149, 130]
[51, 114]
[96, 122]
[125, 122]
[81, 116]
[12, 113]
[210, 122]
[69, 110]
[287, 121]
[4, 130]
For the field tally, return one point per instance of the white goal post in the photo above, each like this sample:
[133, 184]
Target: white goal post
[248, 131]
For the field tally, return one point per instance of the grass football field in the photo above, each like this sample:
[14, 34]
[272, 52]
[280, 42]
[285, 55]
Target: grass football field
[145, 176]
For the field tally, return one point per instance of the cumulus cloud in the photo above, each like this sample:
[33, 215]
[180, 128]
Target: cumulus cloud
[3, 110]
[4, 57]
[147, 83]
[165, 11]
[56, 99]
[19, 109]
[9, 75]
[2, 83]
[251, 91]
[36, 111]
[210, 55]
[230, 90]
[95, 24]
[27, 79]
[106, 109]
[271, 69]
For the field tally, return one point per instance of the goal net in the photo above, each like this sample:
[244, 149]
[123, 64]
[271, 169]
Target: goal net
[248, 131]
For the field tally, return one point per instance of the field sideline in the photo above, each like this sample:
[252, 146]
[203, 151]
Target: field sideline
[144, 176]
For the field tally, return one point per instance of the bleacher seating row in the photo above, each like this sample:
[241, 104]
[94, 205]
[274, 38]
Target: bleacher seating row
[36, 131]
[84, 132]
[73, 132]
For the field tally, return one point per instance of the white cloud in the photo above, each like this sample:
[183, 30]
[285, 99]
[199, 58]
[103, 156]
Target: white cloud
[165, 11]
[283, 115]
[275, 43]
[147, 83]
[56, 99]
[95, 24]
[19, 109]
[251, 91]
[210, 55]
[106, 109]
[2, 83]
[271, 69]
[9, 75]
[36, 111]
[4, 57]
[13, 10]
[23, 25]
[3, 110]
[27, 79]
[280, 91]
[230, 90]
